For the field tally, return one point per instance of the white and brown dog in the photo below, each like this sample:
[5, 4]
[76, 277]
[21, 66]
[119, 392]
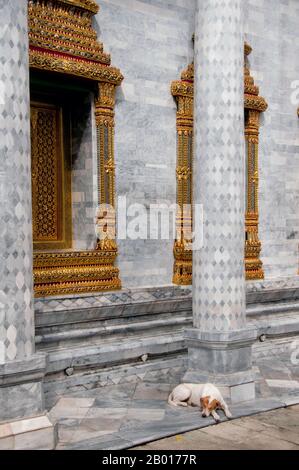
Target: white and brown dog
[206, 396]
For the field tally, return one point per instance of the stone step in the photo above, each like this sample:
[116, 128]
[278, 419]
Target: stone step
[277, 325]
[125, 351]
[112, 332]
[71, 313]
[271, 308]
[96, 353]
[84, 345]
[86, 321]
[156, 370]
[276, 347]
[270, 321]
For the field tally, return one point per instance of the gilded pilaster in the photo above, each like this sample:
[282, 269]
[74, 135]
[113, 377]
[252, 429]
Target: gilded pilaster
[254, 105]
[183, 92]
[104, 110]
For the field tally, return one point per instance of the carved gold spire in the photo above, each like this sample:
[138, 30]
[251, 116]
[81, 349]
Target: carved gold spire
[88, 5]
[62, 39]
[252, 99]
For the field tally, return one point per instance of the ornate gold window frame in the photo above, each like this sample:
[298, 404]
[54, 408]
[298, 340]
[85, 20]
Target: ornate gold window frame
[62, 40]
[183, 92]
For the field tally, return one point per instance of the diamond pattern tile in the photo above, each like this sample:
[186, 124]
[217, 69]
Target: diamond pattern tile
[16, 313]
[218, 269]
[118, 298]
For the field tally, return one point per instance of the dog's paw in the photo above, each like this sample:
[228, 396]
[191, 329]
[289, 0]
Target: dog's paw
[229, 415]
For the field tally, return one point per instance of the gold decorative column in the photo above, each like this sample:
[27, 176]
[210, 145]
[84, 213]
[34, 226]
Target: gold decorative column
[183, 91]
[106, 166]
[254, 105]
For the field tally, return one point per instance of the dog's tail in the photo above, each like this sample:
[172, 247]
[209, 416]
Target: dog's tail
[170, 400]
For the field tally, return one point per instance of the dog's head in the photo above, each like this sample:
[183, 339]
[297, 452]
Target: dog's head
[208, 405]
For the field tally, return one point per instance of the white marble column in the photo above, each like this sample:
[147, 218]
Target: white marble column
[21, 370]
[220, 344]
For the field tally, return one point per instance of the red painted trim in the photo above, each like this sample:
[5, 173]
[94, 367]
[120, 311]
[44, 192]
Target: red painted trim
[66, 56]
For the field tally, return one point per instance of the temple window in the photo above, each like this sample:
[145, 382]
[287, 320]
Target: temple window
[72, 138]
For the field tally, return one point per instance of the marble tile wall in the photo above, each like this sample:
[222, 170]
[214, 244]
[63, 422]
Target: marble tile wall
[272, 31]
[151, 42]
[84, 180]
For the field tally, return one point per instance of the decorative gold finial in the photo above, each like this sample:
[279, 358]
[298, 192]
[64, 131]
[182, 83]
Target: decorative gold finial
[247, 49]
[89, 5]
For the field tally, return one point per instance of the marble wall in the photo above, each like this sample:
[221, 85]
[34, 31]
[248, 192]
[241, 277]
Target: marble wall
[272, 31]
[150, 40]
[84, 174]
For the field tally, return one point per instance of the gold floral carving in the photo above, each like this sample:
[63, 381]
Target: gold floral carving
[87, 5]
[54, 63]
[183, 92]
[62, 40]
[44, 174]
[74, 272]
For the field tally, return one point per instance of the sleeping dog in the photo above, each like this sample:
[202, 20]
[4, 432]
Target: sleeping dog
[206, 396]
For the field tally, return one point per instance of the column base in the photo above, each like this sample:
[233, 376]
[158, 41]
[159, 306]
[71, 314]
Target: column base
[36, 433]
[23, 422]
[223, 359]
[21, 388]
[253, 269]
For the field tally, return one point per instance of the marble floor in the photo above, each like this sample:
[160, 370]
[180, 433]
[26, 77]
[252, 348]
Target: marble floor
[130, 414]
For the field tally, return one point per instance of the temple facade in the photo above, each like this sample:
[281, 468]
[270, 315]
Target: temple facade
[149, 198]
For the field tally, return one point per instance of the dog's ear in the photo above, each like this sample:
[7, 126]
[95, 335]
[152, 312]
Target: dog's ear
[213, 405]
[204, 401]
